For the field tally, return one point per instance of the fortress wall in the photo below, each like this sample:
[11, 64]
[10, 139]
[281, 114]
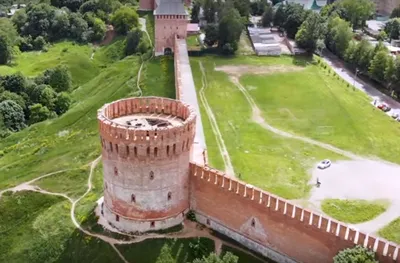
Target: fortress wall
[186, 92]
[271, 225]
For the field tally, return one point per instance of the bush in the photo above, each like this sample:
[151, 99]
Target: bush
[191, 216]
[357, 254]
[39, 43]
[12, 115]
[38, 113]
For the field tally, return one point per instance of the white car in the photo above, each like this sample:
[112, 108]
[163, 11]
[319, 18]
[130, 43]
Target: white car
[324, 164]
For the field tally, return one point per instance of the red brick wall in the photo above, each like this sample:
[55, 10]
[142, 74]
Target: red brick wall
[298, 233]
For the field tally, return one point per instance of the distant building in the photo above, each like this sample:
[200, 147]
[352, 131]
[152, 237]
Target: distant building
[171, 19]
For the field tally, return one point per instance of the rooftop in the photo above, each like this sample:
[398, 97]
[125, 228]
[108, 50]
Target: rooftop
[170, 7]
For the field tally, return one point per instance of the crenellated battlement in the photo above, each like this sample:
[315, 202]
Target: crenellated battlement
[147, 141]
[336, 235]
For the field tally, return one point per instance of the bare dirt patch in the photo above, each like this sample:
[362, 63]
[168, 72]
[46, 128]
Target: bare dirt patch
[239, 70]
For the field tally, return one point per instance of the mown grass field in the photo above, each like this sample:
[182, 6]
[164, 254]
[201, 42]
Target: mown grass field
[353, 211]
[262, 158]
[310, 102]
[391, 231]
[318, 105]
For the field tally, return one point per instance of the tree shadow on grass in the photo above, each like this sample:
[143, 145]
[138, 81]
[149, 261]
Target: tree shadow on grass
[302, 60]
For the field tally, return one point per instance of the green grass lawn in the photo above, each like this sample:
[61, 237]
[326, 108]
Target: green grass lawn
[72, 183]
[318, 105]
[353, 211]
[75, 56]
[264, 159]
[160, 250]
[391, 231]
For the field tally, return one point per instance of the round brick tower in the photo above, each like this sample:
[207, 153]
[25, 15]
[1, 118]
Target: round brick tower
[146, 146]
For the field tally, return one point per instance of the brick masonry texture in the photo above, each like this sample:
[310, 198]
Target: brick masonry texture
[146, 171]
[277, 228]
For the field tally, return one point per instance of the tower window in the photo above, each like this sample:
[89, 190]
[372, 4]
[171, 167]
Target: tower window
[151, 175]
[167, 149]
[155, 152]
[208, 221]
[116, 148]
[111, 148]
[135, 151]
[117, 218]
[115, 171]
[133, 198]
[148, 151]
[253, 222]
[174, 148]
[169, 196]
[152, 224]
[127, 150]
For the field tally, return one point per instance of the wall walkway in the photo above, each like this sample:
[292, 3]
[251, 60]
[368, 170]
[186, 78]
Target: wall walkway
[186, 92]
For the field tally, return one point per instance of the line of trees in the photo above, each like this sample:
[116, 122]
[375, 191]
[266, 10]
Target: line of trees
[33, 27]
[333, 28]
[26, 101]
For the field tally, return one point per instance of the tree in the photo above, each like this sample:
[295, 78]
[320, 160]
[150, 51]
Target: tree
[357, 254]
[79, 27]
[7, 95]
[72, 5]
[267, 16]
[194, 16]
[165, 255]
[39, 20]
[212, 35]
[62, 103]
[99, 29]
[358, 11]
[295, 16]
[39, 43]
[38, 113]
[214, 258]
[338, 35]
[15, 83]
[390, 73]
[19, 19]
[132, 41]
[60, 25]
[280, 16]
[392, 28]
[7, 28]
[312, 30]
[382, 36]
[12, 115]
[88, 6]
[243, 6]
[230, 28]
[209, 10]
[395, 12]
[378, 65]
[59, 78]
[124, 19]
[5, 49]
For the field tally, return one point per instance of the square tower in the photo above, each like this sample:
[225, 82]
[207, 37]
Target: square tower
[171, 19]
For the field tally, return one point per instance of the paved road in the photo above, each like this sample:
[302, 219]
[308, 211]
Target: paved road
[338, 66]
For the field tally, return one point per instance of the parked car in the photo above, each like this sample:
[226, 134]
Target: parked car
[324, 164]
[384, 107]
[395, 116]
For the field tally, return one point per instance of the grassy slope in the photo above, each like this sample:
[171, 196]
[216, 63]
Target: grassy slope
[266, 160]
[329, 111]
[391, 231]
[353, 211]
[149, 250]
[75, 56]
[71, 183]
